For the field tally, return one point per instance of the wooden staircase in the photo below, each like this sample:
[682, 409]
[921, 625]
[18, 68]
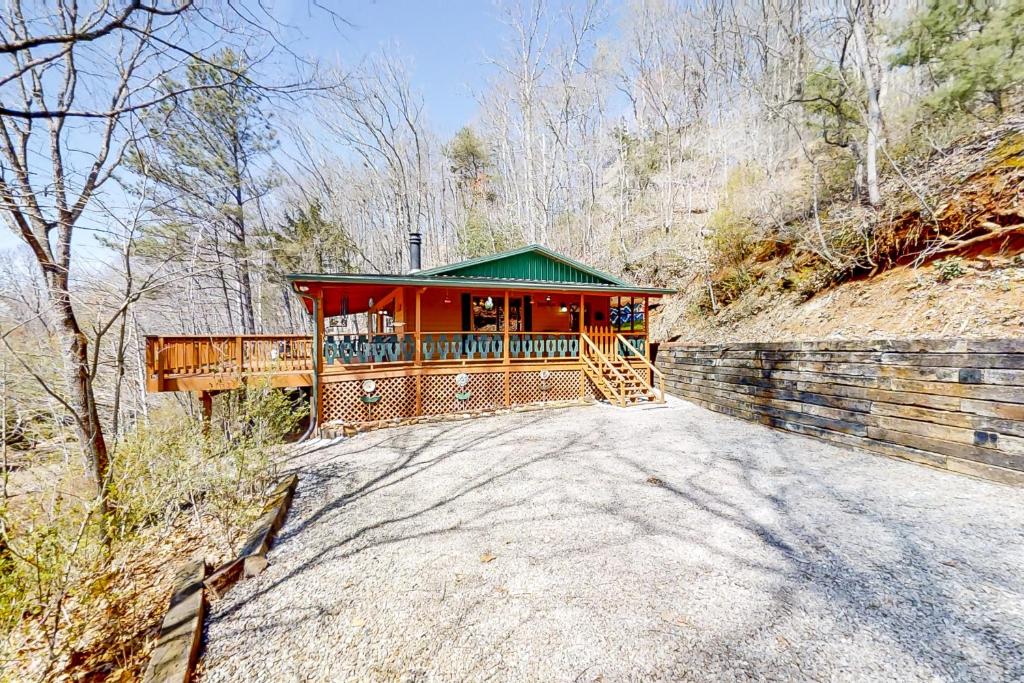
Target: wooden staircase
[618, 380]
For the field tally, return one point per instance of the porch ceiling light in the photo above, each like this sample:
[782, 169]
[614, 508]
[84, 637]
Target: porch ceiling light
[563, 308]
[303, 288]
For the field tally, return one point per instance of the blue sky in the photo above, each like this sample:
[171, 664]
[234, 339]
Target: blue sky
[446, 44]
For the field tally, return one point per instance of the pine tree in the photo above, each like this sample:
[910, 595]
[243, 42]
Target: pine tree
[204, 153]
[974, 51]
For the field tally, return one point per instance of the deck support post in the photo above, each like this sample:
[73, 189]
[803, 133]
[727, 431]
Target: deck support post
[239, 359]
[160, 354]
[206, 405]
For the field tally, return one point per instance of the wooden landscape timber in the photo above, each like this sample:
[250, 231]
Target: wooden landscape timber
[174, 656]
[955, 404]
[254, 552]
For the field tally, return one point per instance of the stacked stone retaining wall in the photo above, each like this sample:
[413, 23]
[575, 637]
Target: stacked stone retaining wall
[954, 404]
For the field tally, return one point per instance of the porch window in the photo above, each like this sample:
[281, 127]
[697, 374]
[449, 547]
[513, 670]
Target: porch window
[627, 314]
[488, 313]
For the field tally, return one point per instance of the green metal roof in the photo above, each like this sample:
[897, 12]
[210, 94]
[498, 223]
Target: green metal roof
[532, 262]
[529, 267]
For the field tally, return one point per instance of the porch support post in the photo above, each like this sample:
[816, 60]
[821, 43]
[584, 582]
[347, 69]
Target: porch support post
[505, 357]
[418, 404]
[318, 356]
[579, 347]
[400, 315]
[419, 327]
[647, 340]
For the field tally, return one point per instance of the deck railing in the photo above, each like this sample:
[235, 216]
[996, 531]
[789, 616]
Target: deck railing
[456, 346]
[225, 356]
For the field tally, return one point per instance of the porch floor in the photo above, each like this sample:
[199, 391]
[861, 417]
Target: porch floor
[598, 543]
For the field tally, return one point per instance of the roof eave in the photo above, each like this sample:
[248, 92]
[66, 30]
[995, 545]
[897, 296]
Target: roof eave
[481, 283]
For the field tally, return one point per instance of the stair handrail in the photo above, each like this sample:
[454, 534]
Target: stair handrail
[657, 373]
[632, 371]
[621, 394]
[604, 380]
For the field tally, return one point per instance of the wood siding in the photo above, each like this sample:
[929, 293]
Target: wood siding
[953, 404]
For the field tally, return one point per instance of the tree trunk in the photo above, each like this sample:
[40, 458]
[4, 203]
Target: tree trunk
[78, 381]
[862, 16]
[858, 170]
[244, 281]
[120, 359]
[245, 286]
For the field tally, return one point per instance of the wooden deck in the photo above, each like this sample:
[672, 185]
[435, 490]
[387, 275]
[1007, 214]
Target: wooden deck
[223, 362]
[413, 374]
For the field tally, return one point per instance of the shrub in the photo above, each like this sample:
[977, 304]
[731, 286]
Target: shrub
[58, 554]
[950, 269]
[170, 464]
[731, 238]
[731, 283]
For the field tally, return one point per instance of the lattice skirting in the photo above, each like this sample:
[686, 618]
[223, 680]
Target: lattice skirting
[530, 387]
[343, 401]
[485, 391]
[346, 402]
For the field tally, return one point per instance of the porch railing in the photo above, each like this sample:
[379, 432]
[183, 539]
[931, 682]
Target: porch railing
[362, 349]
[614, 343]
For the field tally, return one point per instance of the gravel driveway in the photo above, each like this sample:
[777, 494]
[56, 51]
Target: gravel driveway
[607, 544]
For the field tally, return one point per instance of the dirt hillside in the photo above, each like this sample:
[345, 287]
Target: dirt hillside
[988, 301]
[950, 265]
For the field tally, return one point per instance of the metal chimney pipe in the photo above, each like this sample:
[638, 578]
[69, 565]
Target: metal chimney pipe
[415, 240]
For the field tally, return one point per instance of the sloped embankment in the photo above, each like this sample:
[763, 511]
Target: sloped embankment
[965, 204]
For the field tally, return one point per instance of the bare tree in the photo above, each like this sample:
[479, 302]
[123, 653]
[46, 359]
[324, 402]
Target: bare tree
[862, 17]
[377, 115]
[76, 79]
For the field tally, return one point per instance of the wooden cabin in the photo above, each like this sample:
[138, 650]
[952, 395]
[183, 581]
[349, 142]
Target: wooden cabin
[527, 326]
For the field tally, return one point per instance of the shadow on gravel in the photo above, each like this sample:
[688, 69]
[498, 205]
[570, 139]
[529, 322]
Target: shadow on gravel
[779, 511]
[407, 465]
[905, 603]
